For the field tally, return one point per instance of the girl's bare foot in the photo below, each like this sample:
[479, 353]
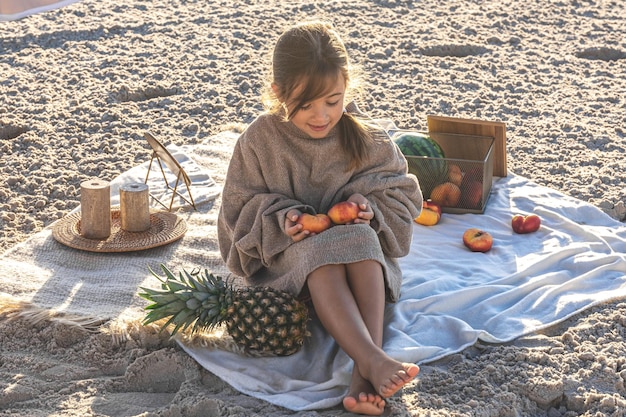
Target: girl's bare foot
[389, 376]
[368, 404]
[362, 398]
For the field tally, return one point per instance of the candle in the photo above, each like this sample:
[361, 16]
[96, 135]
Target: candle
[95, 209]
[135, 207]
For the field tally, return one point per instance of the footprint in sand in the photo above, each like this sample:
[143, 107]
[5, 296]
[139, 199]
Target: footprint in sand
[125, 94]
[601, 53]
[458, 51]
[11, 131]
[160, 371]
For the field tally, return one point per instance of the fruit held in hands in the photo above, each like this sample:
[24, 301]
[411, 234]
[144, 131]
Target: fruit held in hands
[344, 212]
[477, 240]
[525, 224]
[446, 194]
[314, 223]
[430, 214]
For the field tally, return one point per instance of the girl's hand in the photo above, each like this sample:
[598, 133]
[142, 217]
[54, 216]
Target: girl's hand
[366, 214]
[293, 229]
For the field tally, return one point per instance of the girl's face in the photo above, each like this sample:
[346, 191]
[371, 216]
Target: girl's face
[317, 117]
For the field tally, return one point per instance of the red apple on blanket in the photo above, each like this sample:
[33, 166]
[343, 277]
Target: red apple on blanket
[446, 194]
[430, 214]
[314, 223]
[477, 240]
[344, 212]
[525, 224]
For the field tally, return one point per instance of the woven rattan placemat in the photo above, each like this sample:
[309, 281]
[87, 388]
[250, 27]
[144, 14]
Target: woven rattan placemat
[164, 228]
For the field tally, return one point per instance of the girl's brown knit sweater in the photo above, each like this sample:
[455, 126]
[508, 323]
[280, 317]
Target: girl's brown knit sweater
[276, 167]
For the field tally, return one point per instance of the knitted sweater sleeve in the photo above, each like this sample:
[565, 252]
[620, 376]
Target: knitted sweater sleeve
[251, 218]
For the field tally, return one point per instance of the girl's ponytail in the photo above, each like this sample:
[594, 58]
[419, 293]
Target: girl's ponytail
[355, 135]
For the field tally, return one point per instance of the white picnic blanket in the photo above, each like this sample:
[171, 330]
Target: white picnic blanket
[451, 297]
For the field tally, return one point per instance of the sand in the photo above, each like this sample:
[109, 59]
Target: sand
[78, 86]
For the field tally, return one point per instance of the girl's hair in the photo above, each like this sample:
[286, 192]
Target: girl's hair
[312, 56]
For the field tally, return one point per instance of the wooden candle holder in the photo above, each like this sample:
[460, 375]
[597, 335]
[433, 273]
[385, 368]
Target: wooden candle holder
[135, 207]
[95, 209]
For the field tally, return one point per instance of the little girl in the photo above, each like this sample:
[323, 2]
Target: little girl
[306, 153]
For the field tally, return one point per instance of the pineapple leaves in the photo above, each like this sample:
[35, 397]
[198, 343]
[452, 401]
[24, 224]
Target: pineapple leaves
[187, 300]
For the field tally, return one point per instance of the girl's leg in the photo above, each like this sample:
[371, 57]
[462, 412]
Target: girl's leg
[368, 287]
[334, 297]
[371, 307]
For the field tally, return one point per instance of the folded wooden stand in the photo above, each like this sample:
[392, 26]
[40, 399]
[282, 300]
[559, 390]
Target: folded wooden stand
[164, 157]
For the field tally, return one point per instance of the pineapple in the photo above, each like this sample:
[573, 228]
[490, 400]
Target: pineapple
[261, 320]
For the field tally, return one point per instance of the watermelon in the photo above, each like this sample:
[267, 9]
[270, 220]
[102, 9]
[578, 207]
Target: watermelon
[425, 159]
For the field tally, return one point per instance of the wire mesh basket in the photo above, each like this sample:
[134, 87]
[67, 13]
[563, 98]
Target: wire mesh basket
[461, 181]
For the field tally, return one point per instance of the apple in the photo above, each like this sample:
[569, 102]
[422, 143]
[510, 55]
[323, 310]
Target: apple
[525, 224]
[447, 194]
[314, 223]
[475, 173]
[344, 212]
[477, 240]
[455, 175]
[430, 214]
[472, 193]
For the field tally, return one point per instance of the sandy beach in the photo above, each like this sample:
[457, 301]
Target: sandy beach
[80, 85]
